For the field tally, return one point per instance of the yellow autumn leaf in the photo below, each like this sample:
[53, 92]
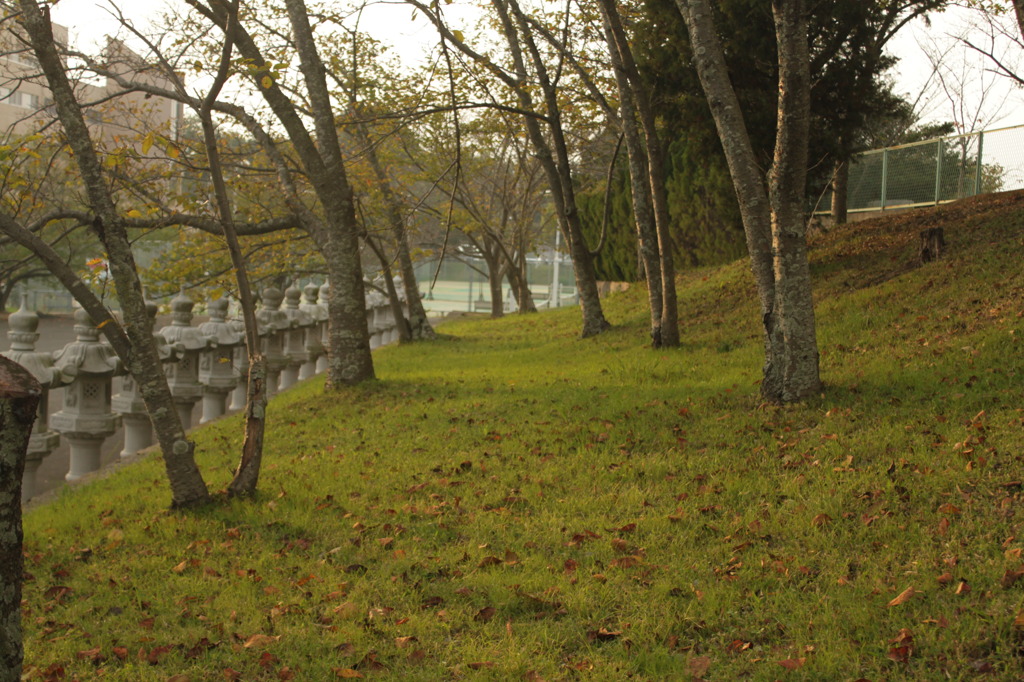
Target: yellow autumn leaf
[458, 36]
[134, 213]
[147, 143]
[266, 82]
[173, 152]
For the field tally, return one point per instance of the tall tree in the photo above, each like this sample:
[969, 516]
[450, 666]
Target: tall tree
[134, 343]
[362, 108]
[650, 169]
[320, 154]
[773, 221]
[534, 83]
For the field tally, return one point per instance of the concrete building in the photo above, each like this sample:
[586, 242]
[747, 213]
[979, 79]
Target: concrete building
[116, 120]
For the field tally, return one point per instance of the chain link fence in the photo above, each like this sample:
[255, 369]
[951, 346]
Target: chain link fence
[935, 171]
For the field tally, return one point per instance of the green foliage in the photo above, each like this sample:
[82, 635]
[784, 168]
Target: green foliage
[705, 217]
[512, 502]
[618, 259]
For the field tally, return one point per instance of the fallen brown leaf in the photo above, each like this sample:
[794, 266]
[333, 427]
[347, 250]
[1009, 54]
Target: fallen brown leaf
[793, 663]
[903, 596]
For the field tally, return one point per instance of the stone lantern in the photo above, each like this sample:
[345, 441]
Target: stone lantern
[373, 319]
[22, 327]
[216, 370]
[314, 332]
[403, 299]
[294, 337]
[241, 367]
[272, 322]
[325, 327]
[138, 429]
[183, 375]
[85, 419]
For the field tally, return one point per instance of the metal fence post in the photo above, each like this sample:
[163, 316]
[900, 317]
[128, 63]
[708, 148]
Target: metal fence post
[885, 177]
[977, 176]
[938, 170]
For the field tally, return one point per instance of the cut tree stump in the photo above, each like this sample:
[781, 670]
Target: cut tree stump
[19, 397]
[932, 244]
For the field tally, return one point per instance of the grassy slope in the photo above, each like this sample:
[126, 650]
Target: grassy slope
[514, 503]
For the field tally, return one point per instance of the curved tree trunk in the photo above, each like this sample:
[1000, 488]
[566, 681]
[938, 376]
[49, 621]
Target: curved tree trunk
[655, 177]
[139, 354]
[247, 474]
[555, 160]
[418, 324]
[19, 396]
[639, 181]
[395, 304]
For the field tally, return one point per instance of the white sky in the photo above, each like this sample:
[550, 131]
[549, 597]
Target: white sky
[1002, 104]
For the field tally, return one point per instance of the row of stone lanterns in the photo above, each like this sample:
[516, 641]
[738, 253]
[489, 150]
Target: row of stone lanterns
[207, 363]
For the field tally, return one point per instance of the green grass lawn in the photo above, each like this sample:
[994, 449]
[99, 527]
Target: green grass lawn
[512, 502]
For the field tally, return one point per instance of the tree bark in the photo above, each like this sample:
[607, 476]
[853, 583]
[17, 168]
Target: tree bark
[494, 279]
[418, 324]
[247, 474]
[1018, 9]
[639, 181]
[337, 236]
[655, 164]
[351, 363]
[404, 330]
[19, 397]
[840, 184]
[555, 160]
[775, 230]
[140, 356]
[519, 286]
[755, 211]
[787, 183]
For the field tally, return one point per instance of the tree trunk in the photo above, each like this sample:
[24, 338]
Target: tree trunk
[404, 332]
[775, 229]
[755, 211]
[840, 183]
[639, 181]
[349, 359]
[247, 473]
[655, 165]
[140, 355]
[19, 397]
[494, 278]
[787, 182]
[519, 286]
[933, 243]
[418, 326]
[1018, 9]
[555, 160]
